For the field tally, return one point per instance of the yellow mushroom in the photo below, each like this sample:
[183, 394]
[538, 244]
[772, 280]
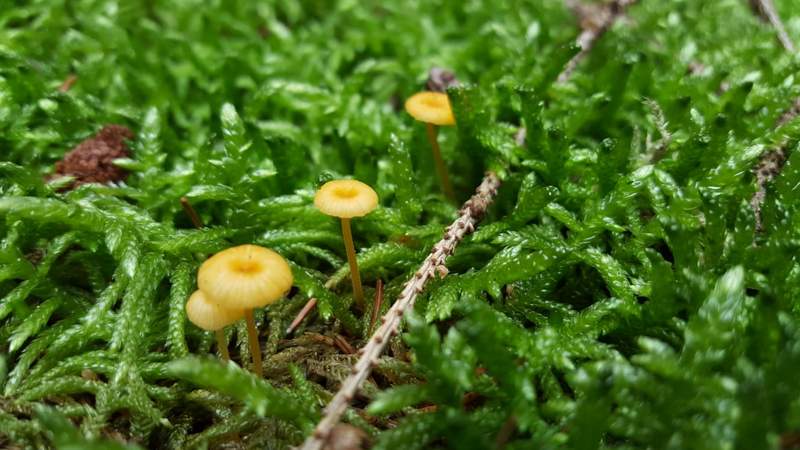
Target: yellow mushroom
[211, 317]
[346, 199]
[433, 108]
[243, 278]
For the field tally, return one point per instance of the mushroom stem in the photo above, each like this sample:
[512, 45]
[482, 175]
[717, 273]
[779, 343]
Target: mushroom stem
[222, 345]
[441, 169]
[355, 277]
[255, 348]
[470, 214]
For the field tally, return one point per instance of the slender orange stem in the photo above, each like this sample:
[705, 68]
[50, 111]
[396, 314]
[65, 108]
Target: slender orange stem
[255, 348]
[222, 345]
[347, 235]
[376, 305]
[441, 169]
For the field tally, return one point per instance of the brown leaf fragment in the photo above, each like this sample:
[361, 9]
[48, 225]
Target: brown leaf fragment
[91, 161]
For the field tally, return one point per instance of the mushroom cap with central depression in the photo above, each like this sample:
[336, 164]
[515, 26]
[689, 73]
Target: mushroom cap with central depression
[431, 107]
[346, 199]
[245, 277]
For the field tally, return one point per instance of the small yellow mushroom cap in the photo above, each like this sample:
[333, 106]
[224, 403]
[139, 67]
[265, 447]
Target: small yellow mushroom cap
[245, 277]
[431, 107]
[346, 199]
[209, 316]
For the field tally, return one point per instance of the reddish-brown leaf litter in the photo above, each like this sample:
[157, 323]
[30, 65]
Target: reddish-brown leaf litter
[92, 161]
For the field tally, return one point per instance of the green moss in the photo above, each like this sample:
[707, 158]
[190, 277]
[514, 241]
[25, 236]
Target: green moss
[617, 295]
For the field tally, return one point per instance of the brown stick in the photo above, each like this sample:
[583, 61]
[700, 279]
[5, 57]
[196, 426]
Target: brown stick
[343, 344]
[68, 82]
[766, 9]
[595, 21]
[376, 304]
[606, 17]
[310, 304]
[468, 218]
[771, 163]
[189, 210]
[506, 431]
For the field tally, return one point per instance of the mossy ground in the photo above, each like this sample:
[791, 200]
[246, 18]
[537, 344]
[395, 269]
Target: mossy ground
[618, 295]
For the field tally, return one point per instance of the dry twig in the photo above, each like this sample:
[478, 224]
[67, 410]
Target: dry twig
[770, 165]
[506, 431]
[347, 437]
[767, 11]
[309, 306]
[343, 344]
[67, 84]
[468, 218]
[191, 213]
[376, 304]
[595, 21]
[312, 302]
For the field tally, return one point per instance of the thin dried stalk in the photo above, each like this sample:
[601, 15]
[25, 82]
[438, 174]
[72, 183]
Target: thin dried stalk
[189, 210]
[68, 82]
[595, 22]
[377, 302]
[469, 215]
[770, 165]
[312, 302]
[767, 11]
[309, 306]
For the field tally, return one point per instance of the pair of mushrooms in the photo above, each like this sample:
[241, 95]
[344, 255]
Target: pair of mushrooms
[235, 281]
[230, 285]
[351, 198]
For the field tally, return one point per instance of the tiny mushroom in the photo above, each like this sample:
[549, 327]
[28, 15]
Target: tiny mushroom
[211, 317]
[433, 108]
[244, 278]
[346, 199]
